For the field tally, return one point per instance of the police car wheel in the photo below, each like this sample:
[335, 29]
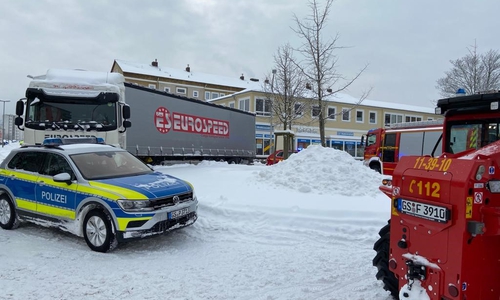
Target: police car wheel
[7, 213]
[97, 231]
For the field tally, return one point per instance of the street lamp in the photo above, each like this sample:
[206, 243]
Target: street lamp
[3, 121]
[271, 144]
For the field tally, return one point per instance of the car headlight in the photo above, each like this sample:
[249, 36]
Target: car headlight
[135, 205]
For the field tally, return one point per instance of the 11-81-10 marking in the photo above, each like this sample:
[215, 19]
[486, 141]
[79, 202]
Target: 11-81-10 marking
[433, 163]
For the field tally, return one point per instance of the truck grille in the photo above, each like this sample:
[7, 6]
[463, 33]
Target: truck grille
[169, 201]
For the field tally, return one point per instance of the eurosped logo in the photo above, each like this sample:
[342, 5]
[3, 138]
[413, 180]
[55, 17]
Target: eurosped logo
[165, 121]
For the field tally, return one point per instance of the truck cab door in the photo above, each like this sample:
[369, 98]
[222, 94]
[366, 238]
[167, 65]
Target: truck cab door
[389, 148]
[56, 199]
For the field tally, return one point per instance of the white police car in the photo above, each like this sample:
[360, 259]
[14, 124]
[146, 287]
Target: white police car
[97, 191]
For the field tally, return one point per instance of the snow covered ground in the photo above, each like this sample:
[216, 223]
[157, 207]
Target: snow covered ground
[302, 229]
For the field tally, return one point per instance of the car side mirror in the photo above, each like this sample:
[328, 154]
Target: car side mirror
[62, 177]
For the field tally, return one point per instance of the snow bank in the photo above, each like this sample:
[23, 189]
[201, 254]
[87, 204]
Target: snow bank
[325, 171]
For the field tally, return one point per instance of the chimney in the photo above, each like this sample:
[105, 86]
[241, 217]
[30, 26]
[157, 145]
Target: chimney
[242, 77]
[308, 86]
[188, 69]
[266, 81]
[329, 90]
[155, 63]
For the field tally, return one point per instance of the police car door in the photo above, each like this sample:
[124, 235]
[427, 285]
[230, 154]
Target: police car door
[21, 174]
[56, 199]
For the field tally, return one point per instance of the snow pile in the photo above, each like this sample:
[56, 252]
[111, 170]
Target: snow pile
[324, 171]
[416, 292]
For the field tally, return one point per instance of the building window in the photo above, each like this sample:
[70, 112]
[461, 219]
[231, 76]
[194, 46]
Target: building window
[222, 95]
[244, 104]
[392, 118]
[262, 107]
[207, 95]
[332, 113]
[166, 89]
[231, 104]
[215, 95]
[315, 111]
[346, 114]
[413, 118]
[152, 86]
[180, 90]
[360, 116]
[299, 109]
[195, 94]
[373, 117]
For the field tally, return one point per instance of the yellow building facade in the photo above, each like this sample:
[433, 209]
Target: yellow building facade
[347, 119]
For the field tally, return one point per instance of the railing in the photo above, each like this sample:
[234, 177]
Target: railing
[416, 124]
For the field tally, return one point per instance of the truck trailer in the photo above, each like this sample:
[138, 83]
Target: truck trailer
[166, 127]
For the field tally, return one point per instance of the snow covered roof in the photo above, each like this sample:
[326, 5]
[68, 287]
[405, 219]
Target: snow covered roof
[160, 71]
[249, 86]
[348, 99]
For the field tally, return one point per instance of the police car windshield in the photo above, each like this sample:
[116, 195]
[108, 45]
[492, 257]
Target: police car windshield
[109, 164]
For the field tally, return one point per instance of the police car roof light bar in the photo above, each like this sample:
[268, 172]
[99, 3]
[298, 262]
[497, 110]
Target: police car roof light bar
[69, 141]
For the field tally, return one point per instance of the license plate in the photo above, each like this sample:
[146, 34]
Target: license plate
[426, 211]
[179, 213]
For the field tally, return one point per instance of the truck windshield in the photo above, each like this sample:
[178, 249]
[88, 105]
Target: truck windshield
[78, 116]
[371, 139]
[472, 134]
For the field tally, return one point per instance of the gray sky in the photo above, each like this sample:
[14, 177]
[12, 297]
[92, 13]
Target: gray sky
[407, 44]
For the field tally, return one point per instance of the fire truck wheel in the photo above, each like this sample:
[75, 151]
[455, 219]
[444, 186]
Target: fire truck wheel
[381, 261]
[376, 168]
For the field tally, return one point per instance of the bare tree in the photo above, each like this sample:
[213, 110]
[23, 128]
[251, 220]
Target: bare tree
[320, 65]
[284, 87]
[474, 73]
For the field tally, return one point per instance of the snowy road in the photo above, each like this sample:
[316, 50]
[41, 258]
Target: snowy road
[254, 239]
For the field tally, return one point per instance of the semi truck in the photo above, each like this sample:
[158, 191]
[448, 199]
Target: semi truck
[384, 147]
[442, 241]
[166, 127]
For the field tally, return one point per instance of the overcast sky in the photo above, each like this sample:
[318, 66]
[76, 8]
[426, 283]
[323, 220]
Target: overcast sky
[407, 44]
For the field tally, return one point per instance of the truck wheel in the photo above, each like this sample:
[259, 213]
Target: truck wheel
[376, 168]
[98, 231]
[381, 261]
[8, 217]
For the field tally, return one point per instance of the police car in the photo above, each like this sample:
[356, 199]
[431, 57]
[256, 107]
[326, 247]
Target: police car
[97, 191]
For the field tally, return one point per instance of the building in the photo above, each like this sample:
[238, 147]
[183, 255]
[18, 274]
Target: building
[187, 82]
[10, 130]
[348, 120]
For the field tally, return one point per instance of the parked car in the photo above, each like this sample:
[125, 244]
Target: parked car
[99, 192]
[277, 156]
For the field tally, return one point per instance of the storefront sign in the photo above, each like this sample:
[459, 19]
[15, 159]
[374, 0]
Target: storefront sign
[345, 133]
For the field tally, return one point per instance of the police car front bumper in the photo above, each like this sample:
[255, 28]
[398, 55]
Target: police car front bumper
[162, 222]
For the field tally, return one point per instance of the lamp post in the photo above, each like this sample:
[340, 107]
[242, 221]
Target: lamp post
[3, 122]
[271, 144]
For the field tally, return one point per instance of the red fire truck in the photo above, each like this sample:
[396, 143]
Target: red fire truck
[384, 147]
[443, 239]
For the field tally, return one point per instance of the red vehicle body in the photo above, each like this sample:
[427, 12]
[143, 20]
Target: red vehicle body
[443, 237]
[276, 157]
[384, 147]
